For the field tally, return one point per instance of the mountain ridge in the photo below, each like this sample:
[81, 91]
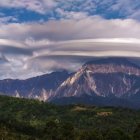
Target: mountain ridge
[115, 78]
[110, 78]
[37, 87]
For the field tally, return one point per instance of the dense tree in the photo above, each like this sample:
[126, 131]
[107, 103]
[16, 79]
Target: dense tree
[67, 131]
[90, 135]
[51, 131]
[117, 134]
[33, 120]
[137, 133]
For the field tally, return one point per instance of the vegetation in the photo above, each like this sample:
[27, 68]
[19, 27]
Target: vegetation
[22, 119]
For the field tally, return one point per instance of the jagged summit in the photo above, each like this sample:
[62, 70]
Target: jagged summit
[104, 77]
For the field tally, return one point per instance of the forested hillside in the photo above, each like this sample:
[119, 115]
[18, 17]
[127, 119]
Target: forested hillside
[22, 119]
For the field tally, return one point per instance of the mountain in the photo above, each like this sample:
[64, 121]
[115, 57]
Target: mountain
[103, 82]
[40, 87]
[108, 81]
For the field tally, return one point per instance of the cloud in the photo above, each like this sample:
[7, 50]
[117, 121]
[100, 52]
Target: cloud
[59, 9]
[70, 14]
[126, 7]
[70, 33]
[92, 48]
[40, 6]
[135, 15]
[30, 49]
[71, 29]
[8, 19]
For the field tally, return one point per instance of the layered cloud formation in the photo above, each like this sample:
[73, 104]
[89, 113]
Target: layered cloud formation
[41, 36]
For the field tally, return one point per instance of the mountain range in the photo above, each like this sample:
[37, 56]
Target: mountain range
[40, 87]
[103, 82]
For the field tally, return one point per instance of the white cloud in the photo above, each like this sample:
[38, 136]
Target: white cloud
[72, 8]
[70, 14]
[40, 6]
[7, 19]
[87, 28]
[8, 42]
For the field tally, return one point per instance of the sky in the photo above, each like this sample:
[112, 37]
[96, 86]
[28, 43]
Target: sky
[41, 36]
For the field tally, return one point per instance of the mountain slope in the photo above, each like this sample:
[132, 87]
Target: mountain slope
[40, 87]
[106, 82]
[106, 78]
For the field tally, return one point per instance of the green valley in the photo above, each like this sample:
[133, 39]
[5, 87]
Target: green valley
[23, 119]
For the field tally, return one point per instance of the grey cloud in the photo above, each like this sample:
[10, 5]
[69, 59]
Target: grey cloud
[91, 49]
[47, 64]
[36, 48]
[72, 54]
[15, 51]
[135, 15]
[3, 59]
[87, 28]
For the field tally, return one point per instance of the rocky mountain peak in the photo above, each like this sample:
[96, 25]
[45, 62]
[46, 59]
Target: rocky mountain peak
[104, 77]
